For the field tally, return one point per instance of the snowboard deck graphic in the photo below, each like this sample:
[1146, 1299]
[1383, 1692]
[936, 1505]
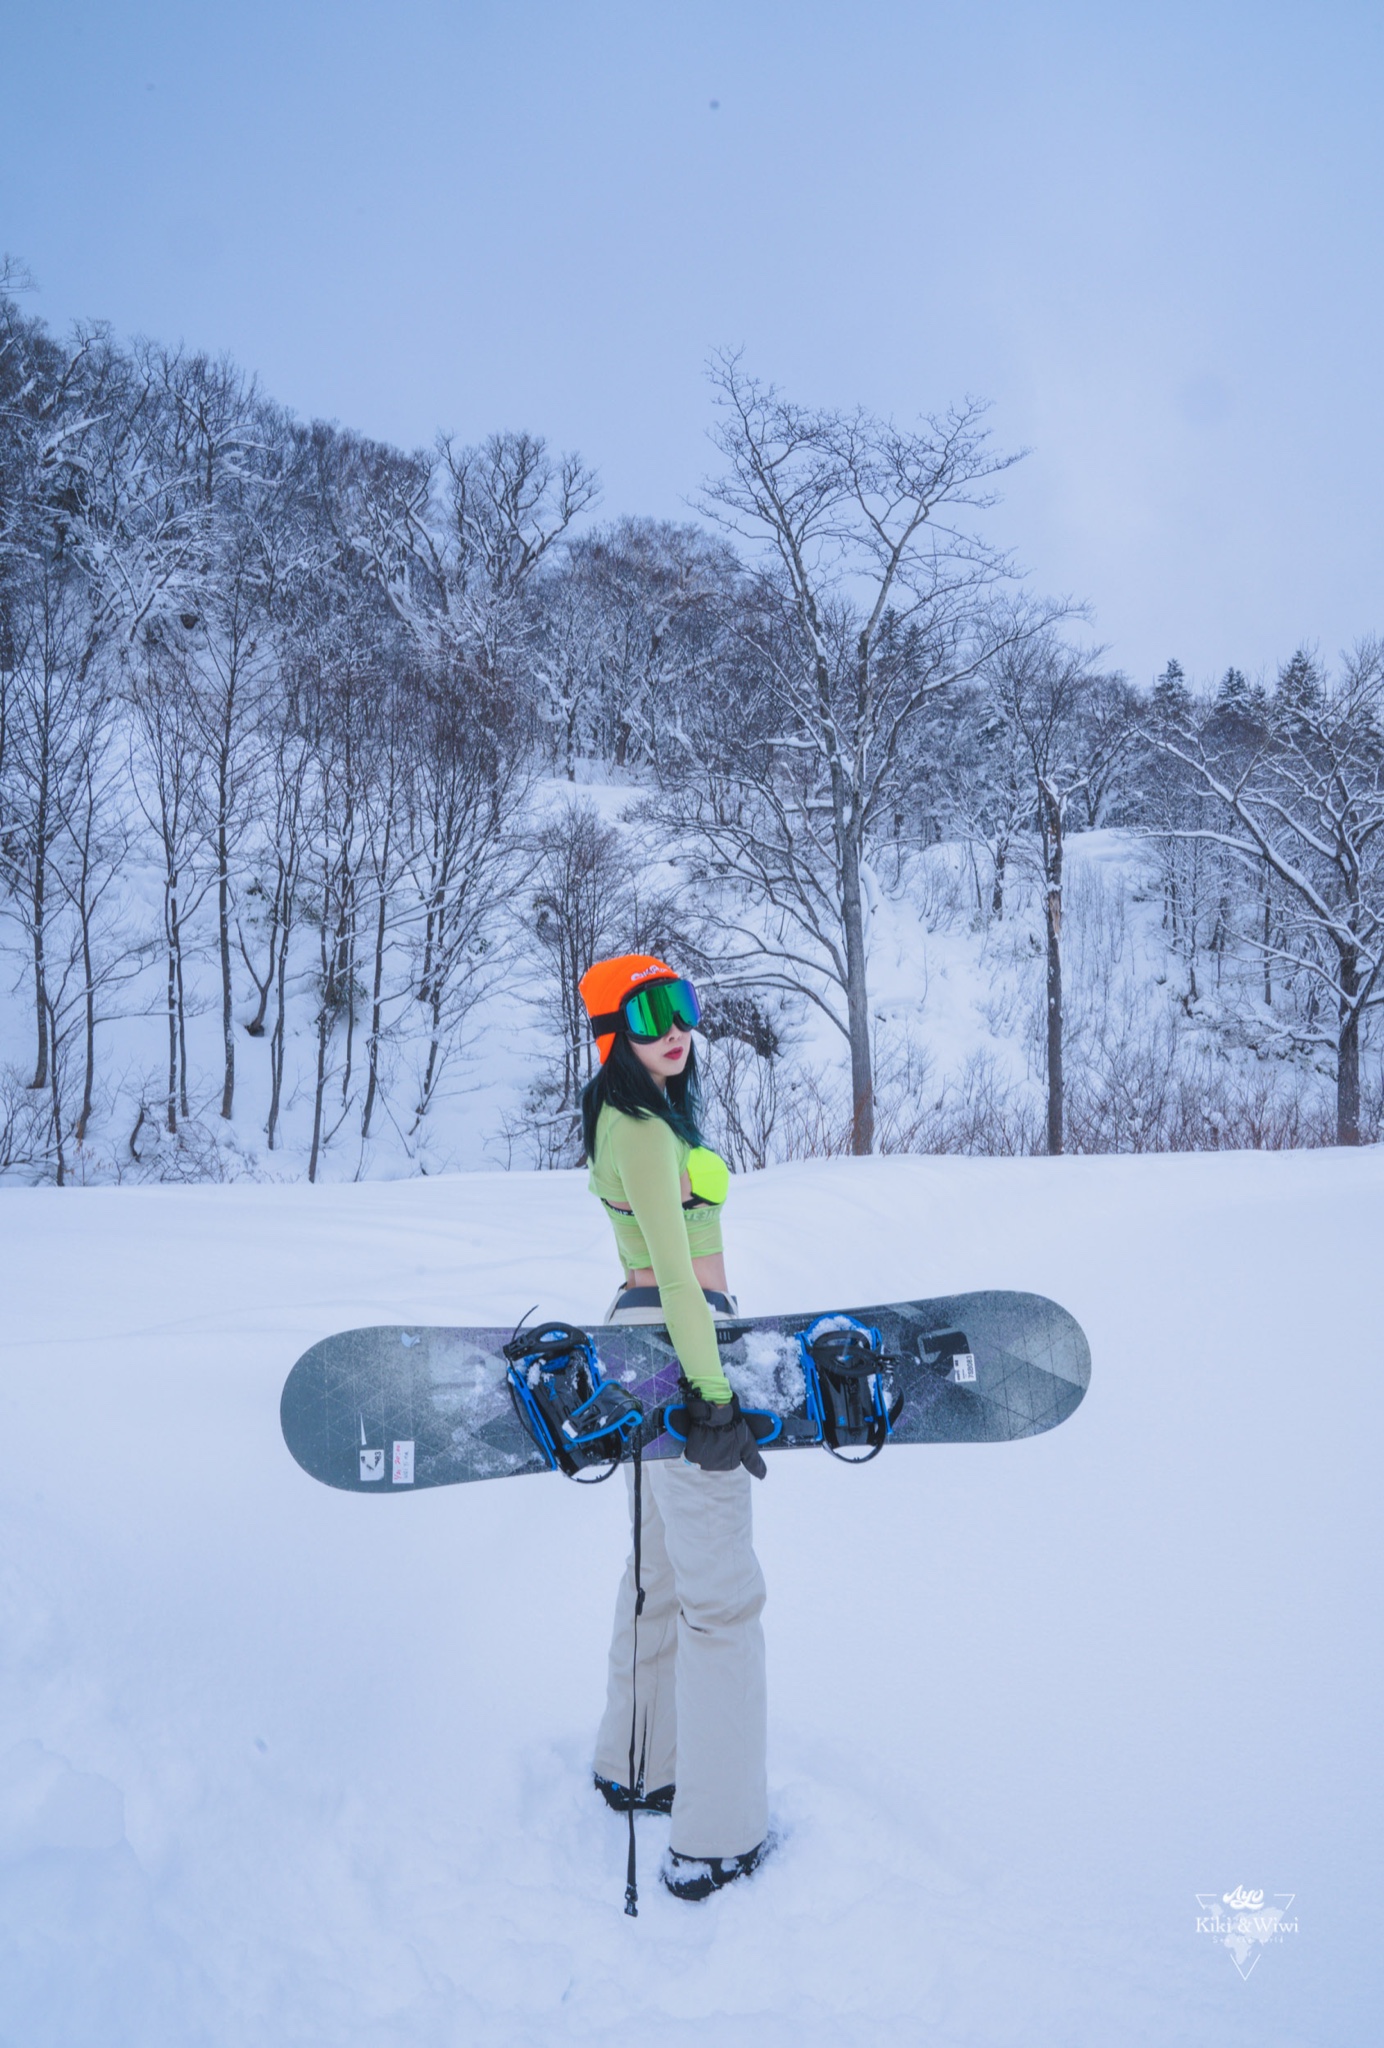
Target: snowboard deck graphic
[390, 1409]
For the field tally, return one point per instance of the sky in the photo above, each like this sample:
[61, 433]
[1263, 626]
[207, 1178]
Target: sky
[1148, 234]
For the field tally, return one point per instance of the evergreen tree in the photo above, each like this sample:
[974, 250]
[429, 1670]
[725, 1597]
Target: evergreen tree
[1300, 683]
[1172, 700]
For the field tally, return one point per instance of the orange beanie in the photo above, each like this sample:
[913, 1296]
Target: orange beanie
[604, 987]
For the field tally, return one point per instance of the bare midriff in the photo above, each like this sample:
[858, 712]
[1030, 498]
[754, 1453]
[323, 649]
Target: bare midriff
[710, 1272]
[710, 1268]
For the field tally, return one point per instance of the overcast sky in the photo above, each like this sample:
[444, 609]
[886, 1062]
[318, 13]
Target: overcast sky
[1149, 233]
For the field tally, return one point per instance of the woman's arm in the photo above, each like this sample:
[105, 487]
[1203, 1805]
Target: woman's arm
[645, 1154]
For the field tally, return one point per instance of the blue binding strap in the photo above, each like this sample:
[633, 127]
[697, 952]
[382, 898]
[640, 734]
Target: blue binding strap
[751, 1415]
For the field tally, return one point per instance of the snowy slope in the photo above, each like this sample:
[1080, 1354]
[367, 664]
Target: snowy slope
[958, 1000]
[280, 1766]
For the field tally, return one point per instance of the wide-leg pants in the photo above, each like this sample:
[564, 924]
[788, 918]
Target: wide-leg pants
[698, 1692]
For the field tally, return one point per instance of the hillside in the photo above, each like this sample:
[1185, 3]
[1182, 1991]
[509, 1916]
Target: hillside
[1164, 1050]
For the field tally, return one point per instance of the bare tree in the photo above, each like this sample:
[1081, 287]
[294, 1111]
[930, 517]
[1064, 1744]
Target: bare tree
[454, 540]
[1041, 691]
[95, 839]
[338, 694]
[587, 903]
[742, 1079]
[384, 832]
[287, 768]
[985, 792]
[583, 900]
[661, 591]
[872, 595]
[165, 778]
[332, 854]
[88, 950]
[469, 781]
[246, 460]
[45, 736]
[53, 625]
[1110, 714]
[567, 661]
[507, 504]
[1303, 799]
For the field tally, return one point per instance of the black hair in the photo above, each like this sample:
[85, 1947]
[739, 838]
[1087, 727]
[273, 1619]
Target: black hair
[628, 1086]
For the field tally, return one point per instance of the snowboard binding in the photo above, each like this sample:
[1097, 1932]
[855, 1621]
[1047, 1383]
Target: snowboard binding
[580, 1422]
[853, 1401]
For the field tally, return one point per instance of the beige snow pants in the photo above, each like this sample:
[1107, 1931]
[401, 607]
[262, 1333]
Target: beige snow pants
[700, 1681]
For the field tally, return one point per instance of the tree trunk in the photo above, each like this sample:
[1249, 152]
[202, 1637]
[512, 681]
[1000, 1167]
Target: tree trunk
[89, 1012]
[430, 1071]
[1268, 964]
[223, 913]
[276, 1044]
[184, 1106]
[226, 741]
[322, 1030]
[437, 989]
[376, 993]
[344, 969]
[55, 1096]
[1052, 862]
[857, 1000]
[255, 1027]
[1348, 1055]
[89, 1057]
[324, 1025]
[41, 1062]
[997, 892]
[169, 928]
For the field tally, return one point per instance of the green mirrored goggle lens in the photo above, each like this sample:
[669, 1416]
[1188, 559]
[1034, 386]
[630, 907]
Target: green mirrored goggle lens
[650, 1012]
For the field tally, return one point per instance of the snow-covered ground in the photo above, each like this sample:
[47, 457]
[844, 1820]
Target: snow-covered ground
[280, 1766]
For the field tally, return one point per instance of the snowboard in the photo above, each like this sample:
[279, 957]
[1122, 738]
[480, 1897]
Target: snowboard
[391, 1410]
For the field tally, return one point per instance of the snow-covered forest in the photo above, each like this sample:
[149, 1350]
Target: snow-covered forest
[326, 767]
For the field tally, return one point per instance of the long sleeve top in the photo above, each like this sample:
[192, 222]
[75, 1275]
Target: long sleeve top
[636, 1169]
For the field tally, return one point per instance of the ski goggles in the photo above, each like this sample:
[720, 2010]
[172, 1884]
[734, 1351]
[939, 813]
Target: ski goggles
[652, 1011]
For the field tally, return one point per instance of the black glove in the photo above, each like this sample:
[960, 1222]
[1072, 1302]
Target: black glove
[718, 1436]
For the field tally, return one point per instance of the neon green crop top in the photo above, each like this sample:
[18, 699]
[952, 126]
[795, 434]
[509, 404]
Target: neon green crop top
[638, 1164]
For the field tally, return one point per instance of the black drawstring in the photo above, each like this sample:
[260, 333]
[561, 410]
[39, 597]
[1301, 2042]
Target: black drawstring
[631, 1880]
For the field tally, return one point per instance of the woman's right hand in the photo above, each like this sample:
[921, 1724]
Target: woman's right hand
[718, 1436]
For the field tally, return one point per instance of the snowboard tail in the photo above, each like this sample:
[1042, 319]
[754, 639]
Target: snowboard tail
[392, 1410]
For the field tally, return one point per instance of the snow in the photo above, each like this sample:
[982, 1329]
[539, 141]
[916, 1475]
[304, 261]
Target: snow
[958, 1002]
[280, 1766]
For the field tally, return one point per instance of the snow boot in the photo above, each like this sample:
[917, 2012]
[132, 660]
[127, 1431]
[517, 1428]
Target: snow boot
[617, 1798]
[697, 1877]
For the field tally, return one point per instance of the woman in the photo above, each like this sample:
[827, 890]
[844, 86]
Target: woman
[697, 1696]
